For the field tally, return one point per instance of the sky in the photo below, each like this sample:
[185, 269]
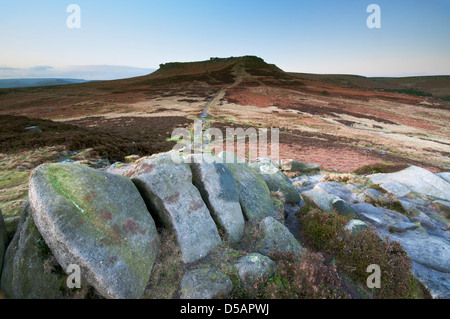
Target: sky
[119, 38]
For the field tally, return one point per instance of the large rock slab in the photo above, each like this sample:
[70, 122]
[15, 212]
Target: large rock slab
[97, 221]
[355, 225]
[205, 283]
[418, 180]
[294, 166]
[276, 180]
[429, 251]
[218, 189]
[254, 195]
[25, 275]
[167, 188]
[276, 238]
[383, 218]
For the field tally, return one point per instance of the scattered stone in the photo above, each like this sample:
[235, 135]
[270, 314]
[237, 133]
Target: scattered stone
[296, 166]
[276, 238]
[97, 221]
[401, 227]
[119, 168]
[424, 221]
[33, 129]
[268, 160]
[355, 225]
[276, 180]
[205, 283]
[361, 198]
[255, 267]
[167, 188]
[373, 194]
[416, 179]
[343, 208]
[336, 189]
[408, 206]
[319, 199]
[218, 189]
[381, 217]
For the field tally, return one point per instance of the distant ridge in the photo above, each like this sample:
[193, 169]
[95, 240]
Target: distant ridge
[18, 83]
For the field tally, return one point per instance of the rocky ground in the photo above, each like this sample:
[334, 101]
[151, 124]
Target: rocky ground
[224, 230]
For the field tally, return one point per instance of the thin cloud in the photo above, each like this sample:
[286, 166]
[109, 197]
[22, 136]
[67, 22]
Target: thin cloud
[85, 72]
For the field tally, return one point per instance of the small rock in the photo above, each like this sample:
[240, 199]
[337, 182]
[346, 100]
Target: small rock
[319, 199]
[34, 129]
[255, 267]
[343, 208]
[276, 238]
[205, 283]
[408, 206]
[276, 180]
[355, 225]
[373, 194]
[361, 198]
[401, 227]
[291, 165]
[336, 189]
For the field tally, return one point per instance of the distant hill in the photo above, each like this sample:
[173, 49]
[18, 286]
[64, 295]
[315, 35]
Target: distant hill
[18, 83]
[437, 86]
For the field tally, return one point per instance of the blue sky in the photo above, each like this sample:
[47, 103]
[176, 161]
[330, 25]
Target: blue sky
[329, 36]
